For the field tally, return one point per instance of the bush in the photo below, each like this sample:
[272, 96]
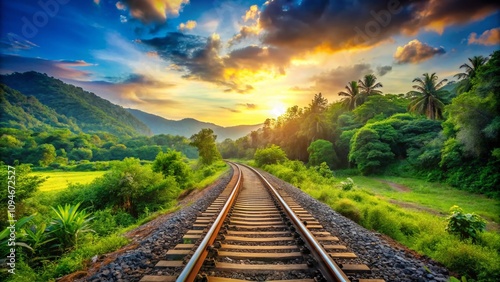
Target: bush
[172, 163]
[464, 225]
[68, 224]
[347, 208]
[348, 184]
[270, 155]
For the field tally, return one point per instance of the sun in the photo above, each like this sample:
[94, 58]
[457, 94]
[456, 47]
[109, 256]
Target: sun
[278, 110]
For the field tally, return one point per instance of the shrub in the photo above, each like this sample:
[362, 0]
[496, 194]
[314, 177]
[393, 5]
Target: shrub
[347, 208]
[172, 163]
[68, 223]
[270, 155]
[348, 184]
[464, 225]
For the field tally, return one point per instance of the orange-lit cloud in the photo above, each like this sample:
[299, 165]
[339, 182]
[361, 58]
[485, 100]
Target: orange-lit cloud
[189, 25]
[332, 26]
[488, 37]
[415, 52]
[252, 13]
[152, 11]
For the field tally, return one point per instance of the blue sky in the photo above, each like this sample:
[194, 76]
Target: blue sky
[239, 62]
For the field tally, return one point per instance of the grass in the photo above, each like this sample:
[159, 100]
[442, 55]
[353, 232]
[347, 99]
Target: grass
[59, 180]
[436, 196]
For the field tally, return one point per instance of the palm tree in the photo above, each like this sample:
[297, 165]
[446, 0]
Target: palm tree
[470, 72]
[351, 95]
[369, 85]
[427, 98]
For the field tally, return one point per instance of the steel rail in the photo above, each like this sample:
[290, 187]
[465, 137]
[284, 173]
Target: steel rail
[330, 270]
[195, 263]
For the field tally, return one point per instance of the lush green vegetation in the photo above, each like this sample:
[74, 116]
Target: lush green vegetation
[437, 134]
[478, 259]
[447, 133]
[60, 230]
[64, 105]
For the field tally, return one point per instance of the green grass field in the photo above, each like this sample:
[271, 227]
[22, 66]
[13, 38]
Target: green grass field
[434, 196]
[58, 180]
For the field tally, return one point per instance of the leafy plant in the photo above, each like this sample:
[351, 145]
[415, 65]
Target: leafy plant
[68, 224]
[464, 225]
[348, 184]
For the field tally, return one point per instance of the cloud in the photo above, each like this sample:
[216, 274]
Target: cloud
[59, 69]
[383, 70]
[254, 29]
[97, 2]
[252, 13]
[337, 78]
[230, 109]
[416, 52]
[201, 59]
[308, 26]
[488, 37]
[248, 106]
[123, 19]
[189, 25]
[152, 11]
[15, 42]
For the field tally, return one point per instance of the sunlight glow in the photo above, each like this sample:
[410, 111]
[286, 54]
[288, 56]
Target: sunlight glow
[278, 110]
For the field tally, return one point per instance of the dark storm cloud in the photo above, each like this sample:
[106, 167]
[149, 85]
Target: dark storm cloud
[383, 70]
[337, 25]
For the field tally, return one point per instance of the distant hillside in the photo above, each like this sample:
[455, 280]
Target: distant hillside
[21, 112]
[90, 112]
[187, 127]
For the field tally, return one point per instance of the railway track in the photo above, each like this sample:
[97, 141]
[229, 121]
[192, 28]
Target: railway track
[253, 232]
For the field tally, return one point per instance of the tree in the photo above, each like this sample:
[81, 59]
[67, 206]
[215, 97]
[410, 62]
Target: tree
[470, 71]
[369, 85]
[270, 155]
[427, 98]
[172, 163]
[322, 151]
[205, 142]
[78, 154]
[368, 152]
[46, 154]
[352, 96]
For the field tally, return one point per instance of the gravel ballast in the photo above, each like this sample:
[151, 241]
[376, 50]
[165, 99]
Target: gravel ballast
[386, 260]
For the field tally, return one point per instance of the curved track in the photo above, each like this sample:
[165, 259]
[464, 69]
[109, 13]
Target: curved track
[254, 232]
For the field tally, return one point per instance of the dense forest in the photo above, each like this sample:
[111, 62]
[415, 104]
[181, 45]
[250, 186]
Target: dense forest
[448, 132]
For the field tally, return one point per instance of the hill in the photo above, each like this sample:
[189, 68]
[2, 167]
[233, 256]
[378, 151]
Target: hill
[21, 112]
[90, 112]
[188, 126]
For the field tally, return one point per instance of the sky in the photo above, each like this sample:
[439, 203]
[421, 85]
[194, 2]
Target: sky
[240, 62]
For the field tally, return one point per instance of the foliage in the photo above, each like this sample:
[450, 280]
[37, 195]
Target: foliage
[428, 96]
[68, 224]
[368, 151]
[348, 184]
[205, 142]
[352, 96]
[270, 155]
[90, 112]
[464, 225]
[322, 151]
[172, 163]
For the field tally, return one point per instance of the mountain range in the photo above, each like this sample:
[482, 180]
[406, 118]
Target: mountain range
[35, 101]
[188, 126]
